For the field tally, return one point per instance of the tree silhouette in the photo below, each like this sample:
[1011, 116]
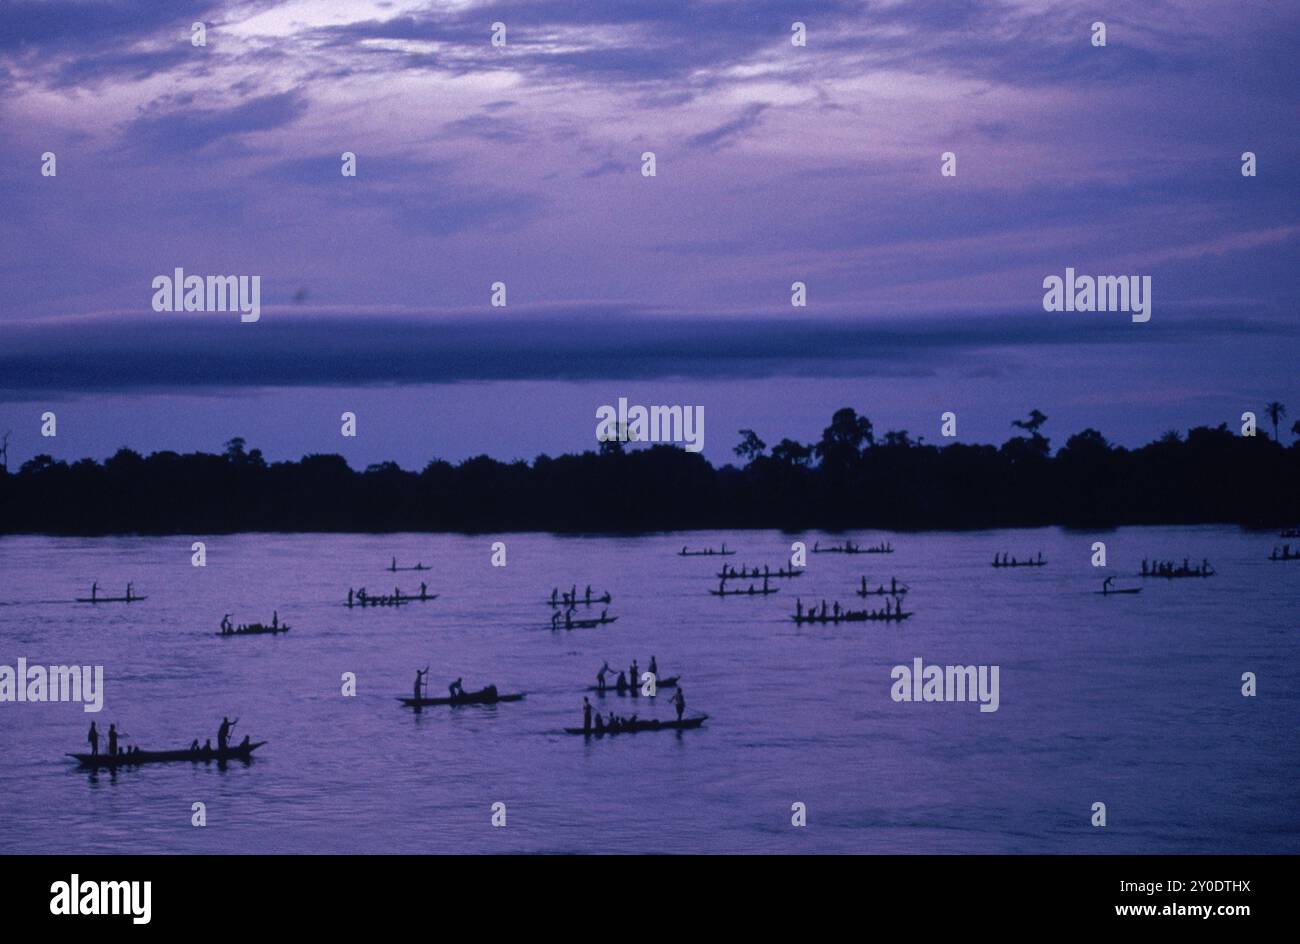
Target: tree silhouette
[751, 447]
[843, 481]
[1275, 411]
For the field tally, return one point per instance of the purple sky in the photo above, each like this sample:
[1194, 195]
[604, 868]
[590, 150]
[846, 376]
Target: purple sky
[521, 164]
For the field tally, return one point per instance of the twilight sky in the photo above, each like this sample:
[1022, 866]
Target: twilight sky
[521, 164]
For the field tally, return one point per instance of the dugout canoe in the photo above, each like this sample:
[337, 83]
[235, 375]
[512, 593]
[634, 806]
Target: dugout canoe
[670, 682]
[637, 726]
[484, 696]
[95, 761]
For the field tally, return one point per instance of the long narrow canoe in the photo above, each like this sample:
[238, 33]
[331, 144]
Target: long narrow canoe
[483, 696]
[257, 629]
[111, 599]
[94, 761]
[1111, 593]
[580, 601]
[745, 593]
[707, 552]
[745, 574]
[583, 623]
[670, 682]
[852, 617]
[654, 725]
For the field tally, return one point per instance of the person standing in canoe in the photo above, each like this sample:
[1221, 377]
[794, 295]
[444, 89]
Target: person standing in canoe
[600, 676]
[678, 701]
[223, 733]
[586, 715]
[419, 681]
[94, 587]
[634, 675]
[654, 667]
[93, 738]
[456, 690]
[112, 740]
[129, 587]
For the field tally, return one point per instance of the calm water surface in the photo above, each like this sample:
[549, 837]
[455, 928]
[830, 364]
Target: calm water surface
[1134, 701]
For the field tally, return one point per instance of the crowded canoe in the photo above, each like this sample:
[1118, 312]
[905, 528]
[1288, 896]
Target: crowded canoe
[753, 573]
[836, 614]
[572, 598]
[364, 598]
[1006, 560]
[118, 756]
[1171, 570]
[253, 629]
[565, 620]
[595, 725]
[706, 552]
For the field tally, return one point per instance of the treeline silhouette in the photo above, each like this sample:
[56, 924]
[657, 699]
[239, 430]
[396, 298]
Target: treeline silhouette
[850, 478]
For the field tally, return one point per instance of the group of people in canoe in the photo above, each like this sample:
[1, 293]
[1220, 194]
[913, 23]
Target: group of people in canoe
[230, 629]
[571, 599]
[730, 573]
[625, 681]
[849, 547]
[1286, 555]
[396, 598]
[593, 723]
[565, 620]
[223, 741]
[1006, 560]
[896, 589]
[454, 691]
[1171, 569]
[722, 590]
[418, 566]
[836, 614]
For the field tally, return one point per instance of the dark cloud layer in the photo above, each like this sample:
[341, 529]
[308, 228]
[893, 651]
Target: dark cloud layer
[288, 351]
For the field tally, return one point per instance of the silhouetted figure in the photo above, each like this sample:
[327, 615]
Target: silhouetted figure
[419, 681]
[112, 740]
[194, 746]
[586, 715]
[207, 747]
[678, 701]
[246, 743]
[600, 676]
[93, 738]
[600, 723]
[621, 684]
[654, 667]
[223, 733]
[456, 689]
[349, 597]
[129, 592]
[94, 588]
[634, 674]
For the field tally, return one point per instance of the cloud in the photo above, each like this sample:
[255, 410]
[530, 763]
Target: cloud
[285, 350]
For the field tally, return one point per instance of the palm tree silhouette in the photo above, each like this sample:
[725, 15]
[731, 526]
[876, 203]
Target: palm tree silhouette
[1275, 413]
